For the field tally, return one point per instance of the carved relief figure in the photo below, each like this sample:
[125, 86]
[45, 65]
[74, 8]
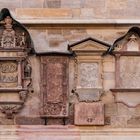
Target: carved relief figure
[27, 69]
[8, 36]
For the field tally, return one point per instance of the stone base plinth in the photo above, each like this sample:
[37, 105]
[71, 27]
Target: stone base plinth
[39, 132]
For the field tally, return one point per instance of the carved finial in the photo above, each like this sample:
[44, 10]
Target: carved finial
[8, 22]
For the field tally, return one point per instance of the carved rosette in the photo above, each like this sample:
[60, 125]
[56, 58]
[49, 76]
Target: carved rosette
[15, 68]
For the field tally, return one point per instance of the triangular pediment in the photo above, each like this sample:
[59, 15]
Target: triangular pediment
[89, 45]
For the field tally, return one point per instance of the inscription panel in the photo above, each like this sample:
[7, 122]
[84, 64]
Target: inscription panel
[89, 114]
[130, 71]
[55, 86]
[88, 75]
[8, 74]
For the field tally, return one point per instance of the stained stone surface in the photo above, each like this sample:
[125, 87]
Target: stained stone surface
[89, 95]
[129, 98]
[130, 72]
[88, 75]
[54, 86]
[89, 114]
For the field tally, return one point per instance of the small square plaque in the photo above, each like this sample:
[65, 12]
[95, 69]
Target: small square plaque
[89, 114]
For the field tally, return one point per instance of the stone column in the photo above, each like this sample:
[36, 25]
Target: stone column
[117, 71]
[19, 74]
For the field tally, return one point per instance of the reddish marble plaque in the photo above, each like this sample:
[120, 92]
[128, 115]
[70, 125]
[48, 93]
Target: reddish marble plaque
[89, 114]
[54, 86]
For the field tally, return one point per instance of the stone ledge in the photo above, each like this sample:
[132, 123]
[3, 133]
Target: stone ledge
[77, 21]
[53, 132]
[68, 128]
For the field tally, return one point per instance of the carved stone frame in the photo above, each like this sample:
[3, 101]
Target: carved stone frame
[98, 90]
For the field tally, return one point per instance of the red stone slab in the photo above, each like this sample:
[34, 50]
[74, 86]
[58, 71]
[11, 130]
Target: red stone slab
[89, 114]
[54, 81]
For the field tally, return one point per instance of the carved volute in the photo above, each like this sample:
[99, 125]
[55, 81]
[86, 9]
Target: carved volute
[15, 68]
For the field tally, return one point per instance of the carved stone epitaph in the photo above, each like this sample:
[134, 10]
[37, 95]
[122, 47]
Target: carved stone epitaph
[15, 68]
[88, 72]
[54, 86]
[127, 68]
[88, 75]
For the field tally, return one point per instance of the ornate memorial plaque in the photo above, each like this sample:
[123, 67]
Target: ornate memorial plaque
[89, 114]
[54, 86]
[15, 68]
[89, 75]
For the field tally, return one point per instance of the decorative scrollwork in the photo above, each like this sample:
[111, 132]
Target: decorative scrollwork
[10, 110]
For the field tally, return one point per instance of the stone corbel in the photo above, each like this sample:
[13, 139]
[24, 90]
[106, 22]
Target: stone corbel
[10, 108]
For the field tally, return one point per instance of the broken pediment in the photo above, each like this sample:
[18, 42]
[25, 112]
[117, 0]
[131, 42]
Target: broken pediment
[127, 60]
[129, 43]
[89, 45]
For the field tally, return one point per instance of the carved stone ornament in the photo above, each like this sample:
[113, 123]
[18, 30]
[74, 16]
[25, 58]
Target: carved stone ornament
[15, 68]
[88, 63]
[54, 86]
[10, 38]
[127, 68]
[10, 109]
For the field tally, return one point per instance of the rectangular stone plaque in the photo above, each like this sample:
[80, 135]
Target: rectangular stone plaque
[130, 71]
[8, 74]
[89, 114]
[54, 86]
[91, 79]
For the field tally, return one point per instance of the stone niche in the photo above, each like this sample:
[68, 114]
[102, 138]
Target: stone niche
[15, 68]
[54, 86]
[88, 78]
[127, 68]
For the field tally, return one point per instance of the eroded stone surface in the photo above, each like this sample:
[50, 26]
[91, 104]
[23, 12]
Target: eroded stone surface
[89, 114]
[130, 71]
[54, 86]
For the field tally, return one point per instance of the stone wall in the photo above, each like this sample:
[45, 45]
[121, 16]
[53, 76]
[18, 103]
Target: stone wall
[90, 9]
[56, 37]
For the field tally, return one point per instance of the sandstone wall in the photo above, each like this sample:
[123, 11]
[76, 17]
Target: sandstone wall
[56, 37]
[90, 9]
